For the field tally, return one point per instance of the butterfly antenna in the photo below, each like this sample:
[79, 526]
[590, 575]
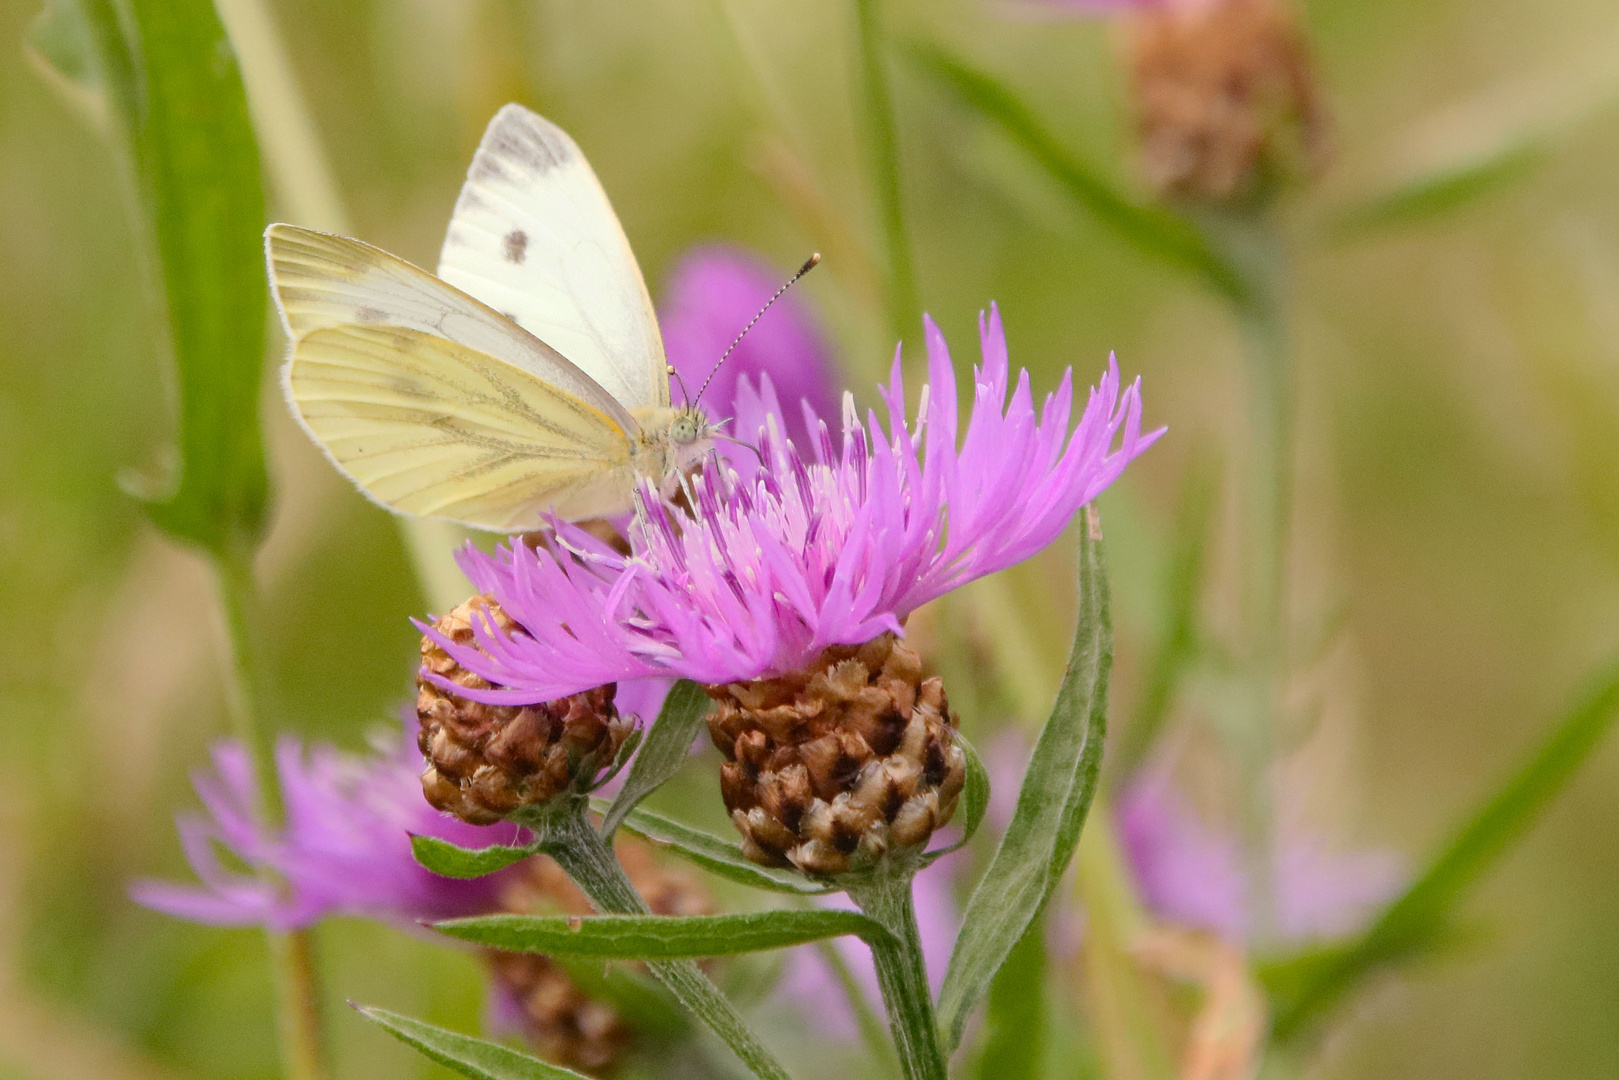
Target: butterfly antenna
[670, 368]
[809, 264]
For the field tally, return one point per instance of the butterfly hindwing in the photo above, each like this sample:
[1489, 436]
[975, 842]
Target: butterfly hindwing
[534, 236]
[429, 426]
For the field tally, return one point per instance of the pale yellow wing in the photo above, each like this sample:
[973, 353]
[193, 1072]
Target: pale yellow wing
[321, 280]
[425, 425]
[535, 237]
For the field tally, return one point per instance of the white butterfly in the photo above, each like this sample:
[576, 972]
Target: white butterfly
[527, 378]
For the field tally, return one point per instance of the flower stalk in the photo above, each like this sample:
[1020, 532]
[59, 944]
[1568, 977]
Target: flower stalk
[901, 972]
[1252, 238]
[565, 832]
[293, 964]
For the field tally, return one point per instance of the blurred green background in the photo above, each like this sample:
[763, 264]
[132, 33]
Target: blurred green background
[1457, 526]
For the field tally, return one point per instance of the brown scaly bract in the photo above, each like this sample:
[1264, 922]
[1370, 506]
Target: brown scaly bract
[486, 761]
[566, 1025]
[830, 768]
[1224, 97]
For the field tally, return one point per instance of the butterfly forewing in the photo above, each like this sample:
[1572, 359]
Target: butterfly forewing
[535, 237]
[321, 280]
[432, 427]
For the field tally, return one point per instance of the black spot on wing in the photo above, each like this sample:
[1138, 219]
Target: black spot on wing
[370, 315]
[515, 245]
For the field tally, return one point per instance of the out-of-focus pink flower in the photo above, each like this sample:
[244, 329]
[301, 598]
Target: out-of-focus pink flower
[772, 568]
[344, 848]
[1191, 874]
[711, 295]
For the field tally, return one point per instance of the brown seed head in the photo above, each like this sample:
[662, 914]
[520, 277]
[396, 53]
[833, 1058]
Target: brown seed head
[566, 1025]
[486, 761]
[830, 768]
[1224, 96]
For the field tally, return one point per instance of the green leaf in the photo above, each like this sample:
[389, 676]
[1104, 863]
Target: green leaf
[1051, 807]
[1015, 1018]
[974, 799]
[716, 855]
[449, 860]
[1433, 195]
[1421, 916]
[1156, 232]
[658, 937]
[470, 1057]
[177, 106]
[667, 745]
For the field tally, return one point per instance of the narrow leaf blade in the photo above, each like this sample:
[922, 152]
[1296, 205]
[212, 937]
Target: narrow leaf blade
[667, 744]
[974, 798]
[1422, 914]
[179, 109]
[1434, 195]
[1157, 232]
[658, 937]
[449, 860]
[474, 1058]
[1051, 809]
[715, 854]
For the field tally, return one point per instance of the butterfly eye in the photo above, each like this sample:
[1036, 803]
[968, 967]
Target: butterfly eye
[684, 429]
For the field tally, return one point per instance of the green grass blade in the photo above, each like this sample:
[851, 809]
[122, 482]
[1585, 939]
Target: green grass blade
[1158, 233]
[1015, 1017]
[177, 106]
[658, 937]
[1177, 646]
[466, 1055]
[1419, 917]
[667, 744]
[1051, 808]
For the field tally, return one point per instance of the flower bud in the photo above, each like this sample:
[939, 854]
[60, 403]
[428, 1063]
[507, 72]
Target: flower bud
[1225, 99]
[831, 768]
[485, 762]
[559, 1019]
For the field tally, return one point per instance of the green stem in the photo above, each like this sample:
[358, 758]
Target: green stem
[301, 176]
[569, 838]
[292, 955]
[903, 976]
[1253, 240]
[904, 307]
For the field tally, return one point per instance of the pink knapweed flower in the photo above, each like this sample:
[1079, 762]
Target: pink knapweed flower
[344, 848]
[774, 563]
[711, 295]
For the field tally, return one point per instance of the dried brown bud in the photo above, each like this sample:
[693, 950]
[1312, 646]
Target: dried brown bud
[830, 768]
[486, 761]
[1224, 96]
[566, 1025]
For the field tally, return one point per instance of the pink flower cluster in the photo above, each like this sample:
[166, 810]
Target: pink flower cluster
[768, 565]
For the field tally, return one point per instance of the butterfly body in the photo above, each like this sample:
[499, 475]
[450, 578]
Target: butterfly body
[526, 379]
